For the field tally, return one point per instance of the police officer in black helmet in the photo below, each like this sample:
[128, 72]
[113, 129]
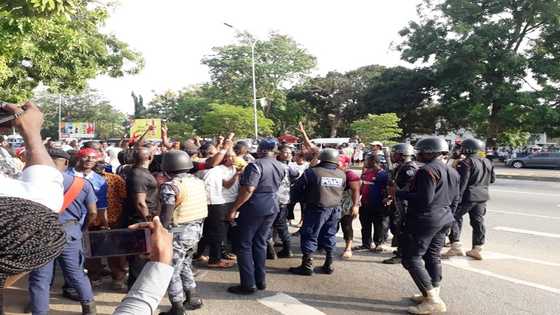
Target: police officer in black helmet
[403, 175]
[321, 189]
[433, 195]
[477, 174]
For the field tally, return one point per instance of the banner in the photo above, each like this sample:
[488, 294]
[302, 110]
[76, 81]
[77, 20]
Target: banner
[139, 126]
[77, 130]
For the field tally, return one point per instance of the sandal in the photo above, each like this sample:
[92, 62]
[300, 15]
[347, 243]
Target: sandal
[222, 264]
[360, 248]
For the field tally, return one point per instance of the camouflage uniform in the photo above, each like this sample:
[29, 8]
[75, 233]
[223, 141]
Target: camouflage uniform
[185, 240]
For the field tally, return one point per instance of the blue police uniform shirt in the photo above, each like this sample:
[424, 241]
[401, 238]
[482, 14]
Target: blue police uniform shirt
[77, 210]
[266, 176]
[99, 186]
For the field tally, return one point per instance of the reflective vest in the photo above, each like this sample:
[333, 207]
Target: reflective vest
[190, 203]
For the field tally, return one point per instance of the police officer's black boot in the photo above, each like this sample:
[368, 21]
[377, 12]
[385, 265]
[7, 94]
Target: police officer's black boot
[270, 251]
[89, 308]
[327, 266]
[192, 300]
[176, 309]
[306, 268]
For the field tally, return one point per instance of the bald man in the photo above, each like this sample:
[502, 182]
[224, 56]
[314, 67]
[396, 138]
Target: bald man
[142, 202]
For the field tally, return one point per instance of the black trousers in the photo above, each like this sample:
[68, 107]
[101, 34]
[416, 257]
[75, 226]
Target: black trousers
[476, 211]
[396, 224]
[214, 232]
[346, 226]
[421, 255]
[373, 220]
[280, 225]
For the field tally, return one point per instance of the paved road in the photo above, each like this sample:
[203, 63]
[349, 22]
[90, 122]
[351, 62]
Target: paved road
[520, 276]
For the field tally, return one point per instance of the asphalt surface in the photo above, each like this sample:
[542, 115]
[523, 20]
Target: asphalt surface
[521, 274]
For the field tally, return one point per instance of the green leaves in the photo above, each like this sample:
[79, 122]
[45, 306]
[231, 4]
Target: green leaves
[225, 118]
[384, 128]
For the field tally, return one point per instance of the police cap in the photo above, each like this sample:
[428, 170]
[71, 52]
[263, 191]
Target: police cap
[329, 155]
[176, 160]
[472, 146]
[432, 145]
[268, 145]
[404, 149]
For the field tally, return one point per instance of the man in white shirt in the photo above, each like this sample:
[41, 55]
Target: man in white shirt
[222, 186]
[40, 181]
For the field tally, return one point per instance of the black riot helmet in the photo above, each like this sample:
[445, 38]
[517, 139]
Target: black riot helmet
[329, 155]
[404, 149]
[472, 146]
[176, 161]
[432, 145]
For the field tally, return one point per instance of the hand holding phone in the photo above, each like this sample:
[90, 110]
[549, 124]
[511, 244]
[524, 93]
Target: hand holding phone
[161, 240]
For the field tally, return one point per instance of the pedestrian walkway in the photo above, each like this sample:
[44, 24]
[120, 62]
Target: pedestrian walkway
[550, 175]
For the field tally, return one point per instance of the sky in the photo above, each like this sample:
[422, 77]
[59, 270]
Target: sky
[174, 35]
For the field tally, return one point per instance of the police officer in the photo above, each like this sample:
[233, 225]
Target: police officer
[257, 204]
[321, 188]
[432, 196]
[184, 207]
[80, 205]
[476, 175]
[403, 175]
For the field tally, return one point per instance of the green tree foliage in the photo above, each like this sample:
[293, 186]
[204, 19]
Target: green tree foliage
[486, 56]
[384, 128]
[88, 106]
[57, 43]
[185, 107]
[279, 63]
[225, 118]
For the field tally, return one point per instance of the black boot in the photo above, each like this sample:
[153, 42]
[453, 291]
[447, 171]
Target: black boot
[286, 252]
[270, 251]
[306, 268]
[327, 266]
[176, 309]
[192, 300]
[88, 308]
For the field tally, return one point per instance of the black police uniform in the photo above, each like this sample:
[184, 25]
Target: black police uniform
[433, 195]
[476, 175]
[403, 178]
[256, 217]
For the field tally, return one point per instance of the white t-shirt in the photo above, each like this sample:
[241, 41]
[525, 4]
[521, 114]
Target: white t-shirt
[299, 168]
[217, 193]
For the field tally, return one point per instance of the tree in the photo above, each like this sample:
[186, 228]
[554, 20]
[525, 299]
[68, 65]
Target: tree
[279, 63]
[58, 44]
[384, 128]
[180, 107]
[88, 106]
[225, 118]
[491, 57]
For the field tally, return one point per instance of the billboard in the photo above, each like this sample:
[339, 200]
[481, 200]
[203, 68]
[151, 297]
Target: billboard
[139, 126]
[77, 130]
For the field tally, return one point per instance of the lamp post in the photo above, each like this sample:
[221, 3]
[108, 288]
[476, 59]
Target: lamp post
[253, 43]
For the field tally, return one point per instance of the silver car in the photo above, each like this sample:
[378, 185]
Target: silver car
[537, 160]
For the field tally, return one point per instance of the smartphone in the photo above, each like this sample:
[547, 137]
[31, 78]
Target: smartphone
[5, 117]
[120, 242]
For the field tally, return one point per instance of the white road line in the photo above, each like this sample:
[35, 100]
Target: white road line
[524, 192]
[525, 214]
[288, 305]
[497, 256]
[522, 231]
[464, 264]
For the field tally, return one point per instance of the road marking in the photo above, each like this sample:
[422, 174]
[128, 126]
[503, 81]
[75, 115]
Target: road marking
[288, 305]
[497, 256]
[524, 192]
[522, 231]
[465, 265]
[525, 214]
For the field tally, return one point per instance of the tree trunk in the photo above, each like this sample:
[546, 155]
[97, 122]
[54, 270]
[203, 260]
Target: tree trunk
[334, 127]
[493, 127]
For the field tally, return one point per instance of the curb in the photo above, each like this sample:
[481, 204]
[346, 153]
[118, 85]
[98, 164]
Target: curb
[533, 178]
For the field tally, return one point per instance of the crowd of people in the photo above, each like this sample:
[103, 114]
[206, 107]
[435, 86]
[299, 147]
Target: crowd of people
[216, 197]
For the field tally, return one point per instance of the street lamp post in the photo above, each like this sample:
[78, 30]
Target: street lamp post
[255, 116]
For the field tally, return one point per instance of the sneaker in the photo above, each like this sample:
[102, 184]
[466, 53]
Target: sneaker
[430, 304]
[392, 261]
[455, 250]
[377, 249]
[361, 248]
[475, 253]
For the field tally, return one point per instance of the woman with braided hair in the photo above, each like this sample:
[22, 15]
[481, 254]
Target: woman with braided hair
[30, 237]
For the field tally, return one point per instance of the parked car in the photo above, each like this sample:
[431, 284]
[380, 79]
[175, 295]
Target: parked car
[538, 160]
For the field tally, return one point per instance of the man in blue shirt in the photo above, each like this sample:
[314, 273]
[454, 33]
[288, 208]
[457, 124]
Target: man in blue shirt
[73, 218]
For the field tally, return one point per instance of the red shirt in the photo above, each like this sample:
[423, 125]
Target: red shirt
[368, 178]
